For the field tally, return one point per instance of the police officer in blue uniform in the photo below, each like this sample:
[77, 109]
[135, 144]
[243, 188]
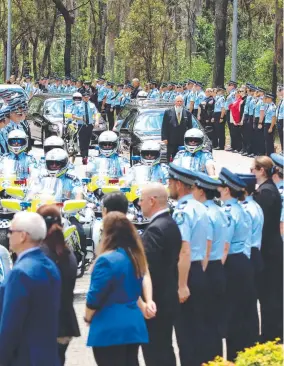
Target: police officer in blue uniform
[247, 122]
[277, 178]
[205, 190]
[101, 92]
[259, 112]
[218, 120]
[3, 142]
[154, 92]
[280, 114]
[231, 89]
[110, 95]
[256, 214]
[199, 97]
[192, 220]
[269, 123]
[240, 291]
[116, 101]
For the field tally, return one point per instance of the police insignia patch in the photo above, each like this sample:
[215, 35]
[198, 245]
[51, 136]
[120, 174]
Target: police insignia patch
[179, 218]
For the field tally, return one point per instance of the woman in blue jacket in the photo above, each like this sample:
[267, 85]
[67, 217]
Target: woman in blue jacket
[117, 326]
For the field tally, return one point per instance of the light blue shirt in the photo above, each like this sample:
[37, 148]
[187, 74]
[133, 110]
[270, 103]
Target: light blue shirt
[192, 220]
[219, 103]
[280, 110]
[22, 164]
[172, 96]
[256, 214]
[252, 104]
[230, 99]
[116, 102]
[109, 96]
[3, 143]
[79, 110]
[270, 112]
[239, 226]
[154, 94]
[113, 166]
[166, 95]
[200, 96]
[125, 99]
[258, 107]
[102, 92]
[196, 162]
[217, 229]
[188, 98]
[246, 108]
[156, 173]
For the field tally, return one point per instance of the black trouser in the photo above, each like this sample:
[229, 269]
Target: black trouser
[195, 112]
[258, 138]
[269, 139]
[216, 307]
[118, 108]
[229, 124]
[171, 152]
[218, 131]
[100, 106]
[62, 348]
[247, 133]
[123, 355]
[191, 331]
[280, 131]
[110, 116]
[236, 137]
[159, 351]
[271, 298]
[241, 305]
[85, 135]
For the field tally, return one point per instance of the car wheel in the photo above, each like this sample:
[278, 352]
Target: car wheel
[44, 135]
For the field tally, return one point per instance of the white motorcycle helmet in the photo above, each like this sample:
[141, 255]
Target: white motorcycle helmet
[53, 142]
[17, 141]
[77, 97]
[142, 94]
[193, 140]
[150, 153]
[108, 143]
[56, 162]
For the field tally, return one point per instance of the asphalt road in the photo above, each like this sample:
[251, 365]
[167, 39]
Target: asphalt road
[78, 354]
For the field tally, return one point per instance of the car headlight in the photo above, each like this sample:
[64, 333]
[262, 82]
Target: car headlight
[53, 128]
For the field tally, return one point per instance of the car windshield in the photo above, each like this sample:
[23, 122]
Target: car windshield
[149, 122]
[55, 107]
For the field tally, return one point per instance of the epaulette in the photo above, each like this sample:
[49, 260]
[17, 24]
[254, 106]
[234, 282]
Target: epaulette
[69, 174]
[228, 208]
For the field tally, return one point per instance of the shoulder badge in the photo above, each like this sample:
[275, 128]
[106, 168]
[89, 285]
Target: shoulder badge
[179, 217]
[228, 208]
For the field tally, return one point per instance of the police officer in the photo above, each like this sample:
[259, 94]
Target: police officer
[3, 142]
[116, 101]
[86, 115]
[240, 291]
[14, 119]
[204, 191]
[280, 114]
[195, 157]
[256, 214]
[218, 120]
[192, 220]
[277, 178]
[247, 122]
[102, 91]
[173, 92]
[108, 163]
[198, 98]
[269, 123]
[259, 112]
[154, 92]
[189, 93]
[110, 95]
[126, 94]
[29, 86]
[231, 90]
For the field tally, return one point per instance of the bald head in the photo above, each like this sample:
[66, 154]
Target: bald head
[154, 197]
[179, 101]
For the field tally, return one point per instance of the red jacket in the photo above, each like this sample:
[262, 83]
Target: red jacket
[235, 109]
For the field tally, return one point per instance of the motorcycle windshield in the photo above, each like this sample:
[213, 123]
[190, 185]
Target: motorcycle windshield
[103, 167]
[47, 187]
[8, 168]
[142, 173]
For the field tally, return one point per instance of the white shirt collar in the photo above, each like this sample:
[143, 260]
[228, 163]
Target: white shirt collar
[159, 213]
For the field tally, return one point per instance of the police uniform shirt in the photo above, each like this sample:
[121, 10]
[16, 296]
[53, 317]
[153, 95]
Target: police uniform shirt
[197, 161]
[230, 99]
[192, 220]
[200, 97]
[102, 92]
[217, 229]
[280, 110]
[80, 111]
[252, 103]
[270, 112]
[113, 166]
[109, 96]
[239, 226]
[219, 103]
[166, 95]
[257, 219]
[172, 96]
[154, 94]
[280, 186]
[28, 88]
[143, 173]
[259, 106]
[23, 164]
[247, 103]
[125, 100]
[116, 102]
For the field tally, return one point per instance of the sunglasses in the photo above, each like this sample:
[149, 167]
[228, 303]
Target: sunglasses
[16, 141]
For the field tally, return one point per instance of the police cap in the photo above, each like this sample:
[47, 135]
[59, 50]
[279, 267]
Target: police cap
[120, 85]
[87, 82]
[231, 180]
[199, 83]
[248, 179]
[163, 85]
[101, 79]
[280, 87]
[153, 82]
[186, 176]
[232, 82]
[110, 83]
[2, 115]
[278, 160]
[260, 90]
[6, 110]
[86, 93]
[204, 181]
[220, 88]
[270, 95]
[28, 76]
[191, 81]
[179, 86]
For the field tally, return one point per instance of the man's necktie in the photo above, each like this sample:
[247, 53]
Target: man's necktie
[179, 117]
[86, 113]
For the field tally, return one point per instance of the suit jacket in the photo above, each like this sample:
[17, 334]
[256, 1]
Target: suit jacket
[114, 291]
[162, 242]
[269, 199]
[29, 316]
[172, 130]
[67, 265]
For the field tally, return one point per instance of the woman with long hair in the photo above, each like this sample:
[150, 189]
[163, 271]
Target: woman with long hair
[117, 326]
[56, 249]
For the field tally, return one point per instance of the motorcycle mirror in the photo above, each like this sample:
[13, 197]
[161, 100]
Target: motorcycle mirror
[135, 158]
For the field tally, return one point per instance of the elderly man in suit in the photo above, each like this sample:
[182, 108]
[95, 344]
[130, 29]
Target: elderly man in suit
[30, 297]
[176, 122]
[162, 243]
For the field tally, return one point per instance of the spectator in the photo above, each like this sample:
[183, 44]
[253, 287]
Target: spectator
[271, 291]
[56, 249]
[29, 317]
[162, 243]
[176, 122]
[117, 327]
[236, 114]
[5, 263]
[137, 88]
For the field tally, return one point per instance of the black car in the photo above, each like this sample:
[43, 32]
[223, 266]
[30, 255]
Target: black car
[140, 122]
[46, 116]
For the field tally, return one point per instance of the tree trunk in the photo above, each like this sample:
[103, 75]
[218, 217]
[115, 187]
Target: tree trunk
[221, 7]
[278, 46]
[35, 44]
[101, 37]
[48, 44]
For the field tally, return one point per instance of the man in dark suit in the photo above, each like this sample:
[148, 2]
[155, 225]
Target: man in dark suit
[162, 242]
[29, 298]
[271, 291]
[176, 122]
